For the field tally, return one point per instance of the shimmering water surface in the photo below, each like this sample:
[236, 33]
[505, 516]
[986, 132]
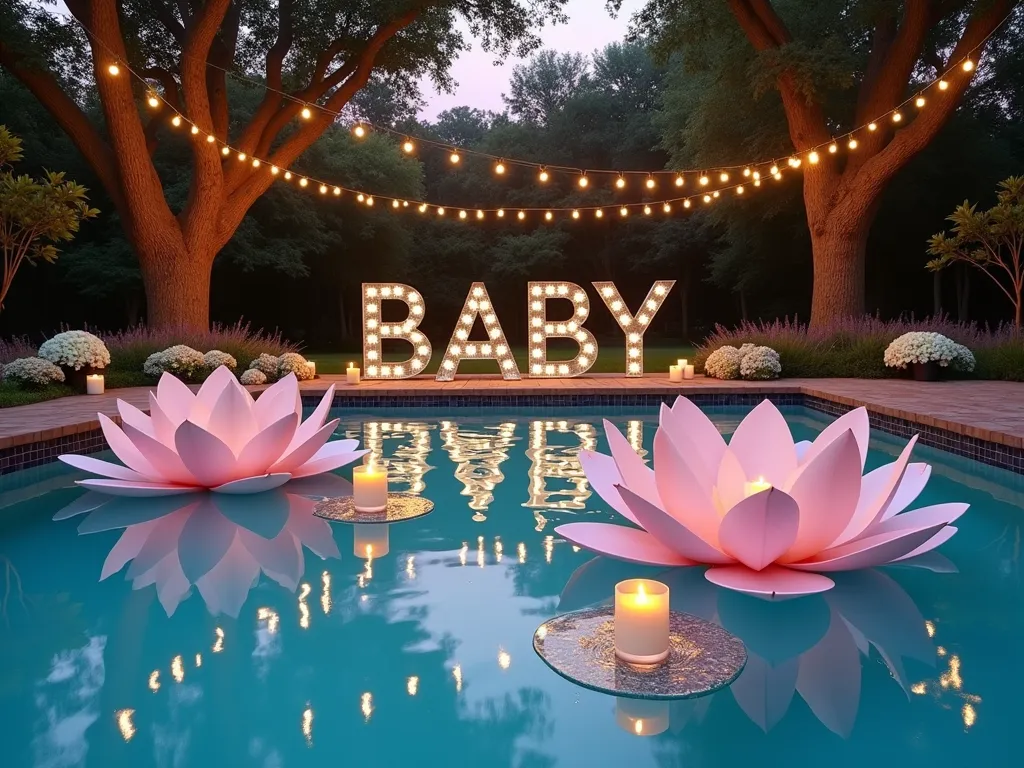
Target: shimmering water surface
[246, 632]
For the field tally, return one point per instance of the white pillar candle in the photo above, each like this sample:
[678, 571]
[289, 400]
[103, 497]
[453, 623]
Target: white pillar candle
[675, 373]
[352, 374]
[94, 384]
[312, 366]
[370, 487]
[370, 540]
[688, 372]
[641, 621]
[681, 362]
[642, 717]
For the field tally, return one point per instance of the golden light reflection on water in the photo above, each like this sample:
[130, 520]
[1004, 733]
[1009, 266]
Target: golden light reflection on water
[325, 592]
[218, 644]
[407, 463]
[307, 724]
[463, 552]
[177, 669]
[199, 660]
[270, 616]
[410, 567]
[549, 548]
[521, 551]
[154, 680]
[412, 685]
[550, 460]
[303, 607]
[125, 723]
[950, 683]
[504, 658]
[478, 455]
[366, 705]
[457, 674]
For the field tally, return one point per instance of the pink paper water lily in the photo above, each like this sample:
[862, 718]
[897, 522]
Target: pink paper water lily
[770, 516]
[217, 439]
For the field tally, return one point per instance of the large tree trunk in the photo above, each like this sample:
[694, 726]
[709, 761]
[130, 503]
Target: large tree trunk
[177, 289]
[838, 255]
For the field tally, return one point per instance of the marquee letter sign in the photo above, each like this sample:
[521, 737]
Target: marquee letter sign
[478, 304]
[542, 329]
[376, 328]
[495, 346]
[634, 326]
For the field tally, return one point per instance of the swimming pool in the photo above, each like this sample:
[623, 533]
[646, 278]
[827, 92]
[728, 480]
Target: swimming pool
[247, 632]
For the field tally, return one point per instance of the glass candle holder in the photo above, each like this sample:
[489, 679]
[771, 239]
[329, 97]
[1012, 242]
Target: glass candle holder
[641, 621]
[370, 487]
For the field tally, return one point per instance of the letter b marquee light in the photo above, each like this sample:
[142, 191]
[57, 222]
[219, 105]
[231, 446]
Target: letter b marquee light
[542, 329]
[375, 328]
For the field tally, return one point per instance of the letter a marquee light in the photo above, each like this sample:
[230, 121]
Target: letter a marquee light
[495, 346]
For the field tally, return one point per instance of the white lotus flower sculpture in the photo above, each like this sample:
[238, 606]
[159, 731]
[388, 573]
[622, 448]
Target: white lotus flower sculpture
[217, 439]
[769, 516]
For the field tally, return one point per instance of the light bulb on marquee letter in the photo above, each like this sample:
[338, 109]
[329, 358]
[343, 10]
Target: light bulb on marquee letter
[541, 329]
[376, 329]
[494, 347]
[634, 326]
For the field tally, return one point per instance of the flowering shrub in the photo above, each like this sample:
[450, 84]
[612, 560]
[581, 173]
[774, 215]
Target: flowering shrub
[75, 349]
[214, 359]
[253, 376]
[265, 364]
[13, 348]
[928, 347]
[760, 363]
[32, 372]
[181, 360]
[293, 362]
[724, 363]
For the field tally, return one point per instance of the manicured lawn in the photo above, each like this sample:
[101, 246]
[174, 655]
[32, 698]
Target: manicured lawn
[11, 394]
[610, 360]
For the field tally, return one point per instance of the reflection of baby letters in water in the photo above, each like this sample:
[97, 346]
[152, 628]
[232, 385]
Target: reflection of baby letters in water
[478, 455]
[811, 646]
[555, 460]
[220, 543]
[407, 464]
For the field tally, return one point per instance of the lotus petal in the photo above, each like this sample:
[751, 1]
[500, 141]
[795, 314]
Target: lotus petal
[936, 514]
[163, 426]
[126, 548]
[773, 582]
[276, 401]
[316, 420]
[670, 532]
[940, 538]
[204, 540]
[695, 437]
[801, 450]
[624, 543]
[131, 415]
[205, 402]
[162, 541]
[280, 557]
[826, 491]
[125, 449]
[128, 488]
[603, 475]
[774, 630]
[915, 478]
[87, 502]
[207, 457]
[732, 481]
[175, 398]
[262, 452]
[329, 457]
[856, 421]
[682, 494]
[869, 551]
[636, 475]
[877, 490]
[829, 678]
[257, 484]
[123, 512]
[231, 419]
[314, 532]
[99, 467]
[759, 529]
[167, 464]
[764, 691]
[227, 585]
[303, 452]
[764, 445]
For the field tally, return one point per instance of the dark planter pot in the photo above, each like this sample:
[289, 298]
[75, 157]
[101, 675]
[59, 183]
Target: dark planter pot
[926, 371]
[76, 379]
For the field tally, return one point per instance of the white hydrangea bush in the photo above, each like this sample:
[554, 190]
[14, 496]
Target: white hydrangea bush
[928, 347]
[760, 363]
[253, 376]
[32, 372]
[75, 349]
[723, 363]
[293, 362]
[180, 360]
[214, 359]
[265, 364]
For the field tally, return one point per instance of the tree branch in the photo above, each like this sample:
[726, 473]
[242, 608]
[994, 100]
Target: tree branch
[164, 16]
[167, 82]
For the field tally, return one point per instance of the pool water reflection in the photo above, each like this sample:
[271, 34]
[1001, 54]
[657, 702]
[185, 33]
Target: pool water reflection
[203, 630]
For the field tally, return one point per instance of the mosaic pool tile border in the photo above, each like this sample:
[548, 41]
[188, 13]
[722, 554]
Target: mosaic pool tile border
[994, 454]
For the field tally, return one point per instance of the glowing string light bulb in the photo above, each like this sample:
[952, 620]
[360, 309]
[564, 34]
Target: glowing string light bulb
[194, 130]
[210, 138]
[968, 65]
[686, 203]
[704, 180]
[176, 121]
[153, 101]
[408, 147]
[623, 211]
[255, 163]
[359, 130]
[323, 189]
[620, 182]
[598, 214]
[225, 151]
[813, 158]
[650, 182]
[583, 181]
[833, 148]
[521, 215]
[680, 181]
[872, 126]
[454, 157]
[666, 208]
[303, 182]
[723, 177]
[543, 176]
[575, 214]
[919, 102]
[114, 70]
[943, 85]
[852, 144]
[499, 168]
[462, 214]
[896, 117]
[647, 210]
[548, 215]
[479, 214]
[501, 213]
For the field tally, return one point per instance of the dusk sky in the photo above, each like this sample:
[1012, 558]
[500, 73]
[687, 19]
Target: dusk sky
[480, 83]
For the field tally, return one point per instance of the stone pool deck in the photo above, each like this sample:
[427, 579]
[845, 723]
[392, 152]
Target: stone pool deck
[983, 420]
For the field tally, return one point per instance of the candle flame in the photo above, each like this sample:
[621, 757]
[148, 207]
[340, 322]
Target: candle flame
[641, 595]
[638, 727]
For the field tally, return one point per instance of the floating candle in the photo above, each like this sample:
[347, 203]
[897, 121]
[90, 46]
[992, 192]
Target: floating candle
[370, 487]
[641, 621]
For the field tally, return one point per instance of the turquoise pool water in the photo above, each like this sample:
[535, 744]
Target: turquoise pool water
[423, 656]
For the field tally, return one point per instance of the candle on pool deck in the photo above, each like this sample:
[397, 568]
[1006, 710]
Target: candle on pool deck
[749, 489]
[641, 621]
[642, 717]
[312, 367]
[352, 374]
[370, 487]
[681, 362]
[688, 372]
[675, 373]
[370, 540]
[94, 384]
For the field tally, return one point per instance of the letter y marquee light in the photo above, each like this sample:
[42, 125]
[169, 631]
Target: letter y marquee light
[541, 329]
[495, 347]
[634, 326]
[375, 328]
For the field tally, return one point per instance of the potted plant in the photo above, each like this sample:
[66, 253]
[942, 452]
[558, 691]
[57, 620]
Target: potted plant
[926, 356]
[77, 354]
